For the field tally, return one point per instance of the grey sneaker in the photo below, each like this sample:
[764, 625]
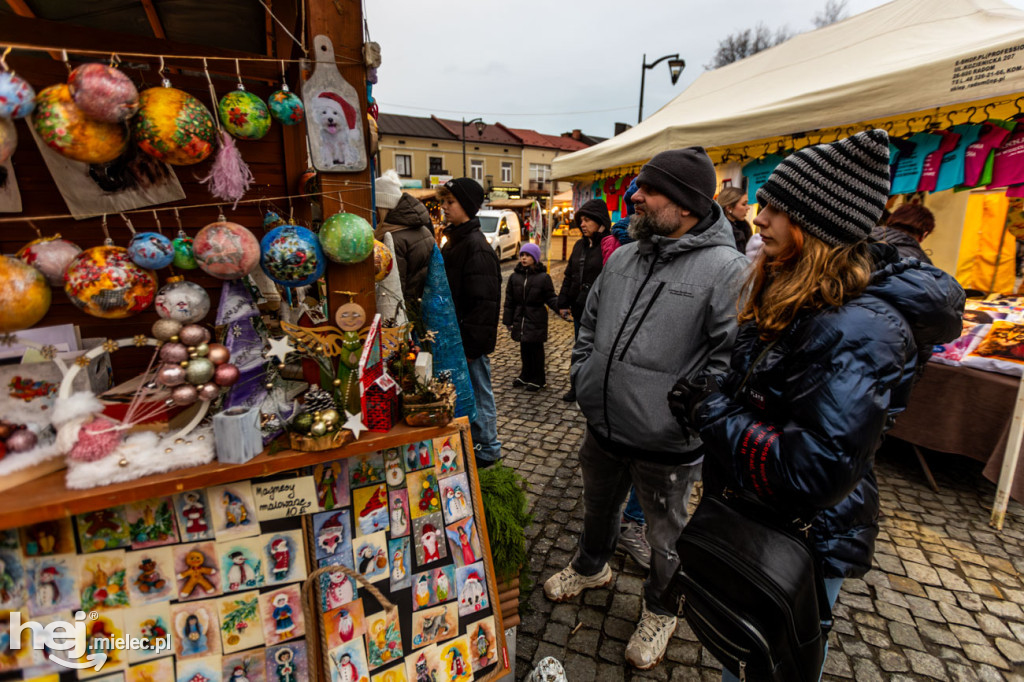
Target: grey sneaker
[567, 583]
[633, 541]
[647, 646]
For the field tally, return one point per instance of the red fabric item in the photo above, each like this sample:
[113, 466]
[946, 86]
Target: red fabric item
[1008, 166]
[608, 245]
[932, 162]
[977, 154]
[612, 196]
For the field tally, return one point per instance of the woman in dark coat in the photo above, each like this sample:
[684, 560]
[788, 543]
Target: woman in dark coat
[832, 333]
[733, 201]
[528, 291]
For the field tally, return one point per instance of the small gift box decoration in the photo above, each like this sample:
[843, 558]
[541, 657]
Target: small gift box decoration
[377, 389]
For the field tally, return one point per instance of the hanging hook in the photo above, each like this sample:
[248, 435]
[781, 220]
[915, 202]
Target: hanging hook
[128, 222]
[970, 113]
[33, 226]
[1016, 103]
[177, 218]
[64, 58]
[767, 147]
[156, 217]
[3, 58]
[164, 81]
[114, 60]
[107, 241]
[238, 72]
[949, 118]
[220, 214]
[910, 127]
[284, 78]
[987, 107]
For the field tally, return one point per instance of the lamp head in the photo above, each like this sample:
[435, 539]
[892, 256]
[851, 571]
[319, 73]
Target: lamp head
[675, 68]
[480, 127]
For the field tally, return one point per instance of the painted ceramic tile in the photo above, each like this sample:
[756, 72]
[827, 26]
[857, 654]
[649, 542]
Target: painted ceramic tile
[424, 495]
[103, 580]
[435, 625]
[423, 591]
[370, 553]
[337, 589]
[108, 625]
[159, 670]
[150, 624]
[47, 538]
[102, 530]
[348, 663]
[398, 504]
[456, 662]
[206, 669]
[151, 522]
[424, 664]
[332, 532]
[284, 557]
[344, 624]
[400, 560]
[383, 638]
[394, 674]
[483, 643]
[240, 624]
[195, 521]
[241, 564]
[448, 453]
[332, 485]
[13, 581]
[151, 575]
[233, 510]
[281, 613]
[9, 539]
[455, 498]
[442, 583]
[41, 663]
[11, 658]
[471, 583]
[428, 538]
[53, 584]
[370, 509]
[394, 469]
[464, 542]
[366, 469]
[248, 666]
[418, 456]
[287, 662]
[196, 628]
[196, 571]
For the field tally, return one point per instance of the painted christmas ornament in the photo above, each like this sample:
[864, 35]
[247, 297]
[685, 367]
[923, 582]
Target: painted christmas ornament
[104, 282]
[286, 107]
[182, 301]
[382, 261]
[50, 256]
[291, 256]
[103, 93]
[8, 139]
[68, 131]
[151, 250]
[194, 334]
[184, 257]
[165, 330]
[226, 250]
[24, 295]
[244, 115]
[17, 98]
[346, 238]
[173, 126]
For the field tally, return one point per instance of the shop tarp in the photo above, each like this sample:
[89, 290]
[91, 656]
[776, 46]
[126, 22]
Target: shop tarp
[905, 56]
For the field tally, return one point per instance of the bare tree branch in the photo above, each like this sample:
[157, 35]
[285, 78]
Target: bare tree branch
[747, 42]
[835, 10]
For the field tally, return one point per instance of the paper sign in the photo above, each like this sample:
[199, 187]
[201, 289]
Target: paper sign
[285, 498]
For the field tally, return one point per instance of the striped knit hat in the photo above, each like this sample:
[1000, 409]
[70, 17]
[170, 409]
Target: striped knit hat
[836, 191]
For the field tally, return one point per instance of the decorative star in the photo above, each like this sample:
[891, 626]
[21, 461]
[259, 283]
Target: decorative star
[82, 361]
[8, 339]
[139, 340]
[110, 345]
[280, 348]
[354, 423]
[49, 351]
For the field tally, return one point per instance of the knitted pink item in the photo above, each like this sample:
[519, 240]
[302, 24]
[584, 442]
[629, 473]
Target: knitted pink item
[229, 176]
[96, 440]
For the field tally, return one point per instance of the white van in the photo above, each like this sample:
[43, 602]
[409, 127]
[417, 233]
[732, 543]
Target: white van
[501, 227]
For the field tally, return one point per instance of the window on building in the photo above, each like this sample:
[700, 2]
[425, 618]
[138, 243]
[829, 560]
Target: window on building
[436, 165]
[506, 172]
[403, 165]
[476, 171]
[540, 172]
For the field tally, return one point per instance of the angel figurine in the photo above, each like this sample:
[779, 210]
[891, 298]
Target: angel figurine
[193, 628]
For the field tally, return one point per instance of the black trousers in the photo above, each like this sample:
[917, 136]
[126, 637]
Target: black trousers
[532, 355]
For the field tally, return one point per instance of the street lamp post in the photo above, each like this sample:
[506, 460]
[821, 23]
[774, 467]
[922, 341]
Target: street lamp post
[480, 126]
[675, 67]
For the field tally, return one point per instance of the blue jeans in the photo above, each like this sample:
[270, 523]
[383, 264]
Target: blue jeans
[485, 427]
[633, 511]
[832, 586]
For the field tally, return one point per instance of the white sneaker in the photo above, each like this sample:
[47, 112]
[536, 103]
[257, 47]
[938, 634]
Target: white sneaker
[633, 541]
[647, 646]
[567, 583]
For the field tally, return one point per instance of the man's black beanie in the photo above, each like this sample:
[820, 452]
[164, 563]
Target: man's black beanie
[468, 193]
[685, 176]
[596, 210]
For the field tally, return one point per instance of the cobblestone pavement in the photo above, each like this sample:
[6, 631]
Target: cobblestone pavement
[944, 601]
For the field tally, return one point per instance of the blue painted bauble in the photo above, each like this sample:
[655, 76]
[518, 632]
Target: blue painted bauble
[17, 98]
[286, 107]
[291, 256]
[151, 250]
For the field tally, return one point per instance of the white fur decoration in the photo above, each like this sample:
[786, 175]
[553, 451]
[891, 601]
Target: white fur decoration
[144, 454]
[390, 303]
[23, 460]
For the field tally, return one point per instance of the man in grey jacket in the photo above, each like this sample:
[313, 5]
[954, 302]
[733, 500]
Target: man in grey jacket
[664, 307]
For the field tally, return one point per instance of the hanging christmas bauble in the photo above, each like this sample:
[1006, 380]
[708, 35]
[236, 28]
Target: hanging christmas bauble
[286, 107]
[170, 375]
[226, 250]
[184, 256]
[165, 330]
[184, 395]
[199, 371]
[346, 238]
[194, 334]
[67, 130]
[226, 374]
[382, 261]
[151, 250]
[244, 115]
[271, 220]
[185, 302]
[291, 256]
[104, 282]
[8, 139]
[50, 256]
[24, 295]
[218, 353]
[17, 98]
[103, 92]
[209, 391]
[173, 126]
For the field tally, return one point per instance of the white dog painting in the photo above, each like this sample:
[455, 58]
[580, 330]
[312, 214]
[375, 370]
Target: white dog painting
[336, 136]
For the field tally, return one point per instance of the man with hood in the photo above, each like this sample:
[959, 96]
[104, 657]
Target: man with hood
[408, 221]
[664, 307]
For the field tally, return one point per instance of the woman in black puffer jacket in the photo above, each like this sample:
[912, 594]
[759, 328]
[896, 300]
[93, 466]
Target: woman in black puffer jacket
[529, 290]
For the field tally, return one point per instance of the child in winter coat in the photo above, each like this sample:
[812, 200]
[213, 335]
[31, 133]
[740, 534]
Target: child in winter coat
[529, 289]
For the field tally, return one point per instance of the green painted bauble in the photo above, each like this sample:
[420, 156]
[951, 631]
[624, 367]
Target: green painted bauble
[184, 256]
[199, 371]
[173, 126]
[303, 422]
[244, 115]
[346, 238]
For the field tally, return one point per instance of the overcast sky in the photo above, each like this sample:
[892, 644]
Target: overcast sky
[555, 65]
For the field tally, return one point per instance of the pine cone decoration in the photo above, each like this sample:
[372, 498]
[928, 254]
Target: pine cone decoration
[317, 399]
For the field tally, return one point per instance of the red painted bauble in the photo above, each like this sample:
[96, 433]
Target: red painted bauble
[225, 375]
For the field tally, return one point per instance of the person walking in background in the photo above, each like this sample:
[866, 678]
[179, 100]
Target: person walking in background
[833, 330]
[733, 201]
[475, 280]
[528, 291]
[408, 221]
[905, 229]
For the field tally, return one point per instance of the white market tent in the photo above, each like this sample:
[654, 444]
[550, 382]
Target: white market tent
[904, 57]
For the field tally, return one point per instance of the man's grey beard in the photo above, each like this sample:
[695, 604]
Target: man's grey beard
[643, 225]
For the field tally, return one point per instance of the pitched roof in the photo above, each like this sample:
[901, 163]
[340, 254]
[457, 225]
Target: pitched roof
[413, 126]
[494, 134]
[531, 138]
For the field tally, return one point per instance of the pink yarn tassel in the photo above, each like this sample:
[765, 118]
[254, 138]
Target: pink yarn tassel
[229, 176]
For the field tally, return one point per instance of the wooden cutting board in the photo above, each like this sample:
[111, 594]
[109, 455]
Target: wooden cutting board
[334, 121]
